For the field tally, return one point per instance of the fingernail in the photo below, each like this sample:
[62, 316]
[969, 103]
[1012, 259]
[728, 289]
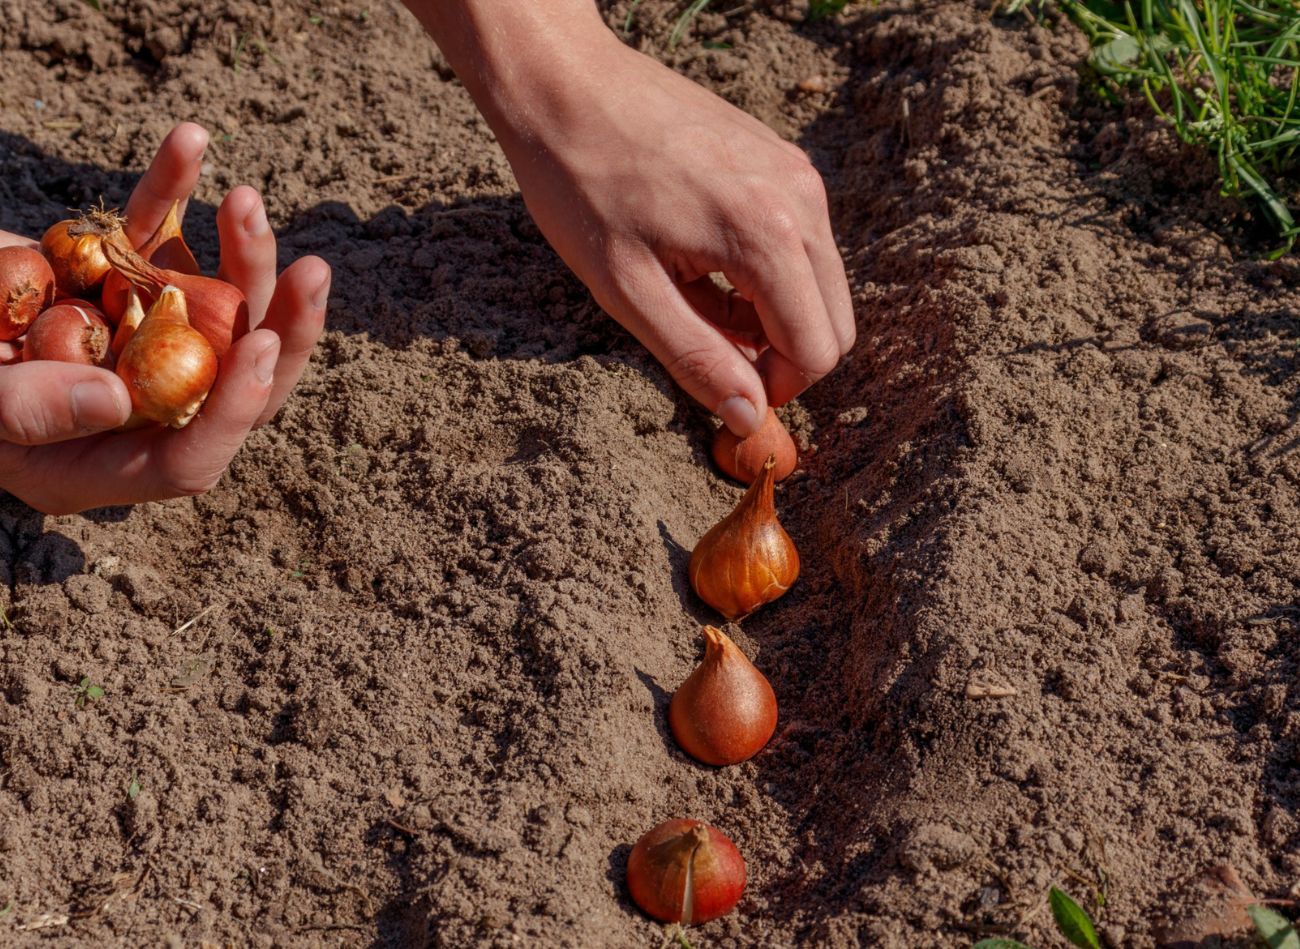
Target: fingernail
[739, 415]
[322, 296]
[264, 367]
[96, 407]
[256, 223]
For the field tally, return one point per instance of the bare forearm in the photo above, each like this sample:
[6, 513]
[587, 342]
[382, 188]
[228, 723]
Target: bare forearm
[645, 184]
[516, 59]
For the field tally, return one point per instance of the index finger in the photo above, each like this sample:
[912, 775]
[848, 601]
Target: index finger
[804, 346]
[171, 177]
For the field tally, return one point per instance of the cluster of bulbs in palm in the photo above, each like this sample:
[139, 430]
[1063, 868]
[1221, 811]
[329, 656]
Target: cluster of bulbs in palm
[88, 296]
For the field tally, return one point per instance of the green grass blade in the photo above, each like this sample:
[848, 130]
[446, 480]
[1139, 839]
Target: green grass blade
[1072, 921]
[631, 15]
[1275, 206]
[1274, 928]
[685, 20]
[1225, 74]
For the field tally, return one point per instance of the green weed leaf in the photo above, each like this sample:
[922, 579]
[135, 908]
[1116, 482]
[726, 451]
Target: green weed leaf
[1117, 56]
[1072, 921]
[1225, 74]
[1274, 928]
[821, 9]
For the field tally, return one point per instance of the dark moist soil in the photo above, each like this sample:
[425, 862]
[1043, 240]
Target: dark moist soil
[402, 677]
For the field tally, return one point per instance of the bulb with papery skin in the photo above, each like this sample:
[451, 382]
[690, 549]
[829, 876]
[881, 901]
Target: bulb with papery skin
[166, 249]
[70, 333]
[746, 559]
[743, 458]
[167, 365]
[26, 288]
[75, 250]
[725, 712]
[684, 871]
[216, 309]
[129, 322]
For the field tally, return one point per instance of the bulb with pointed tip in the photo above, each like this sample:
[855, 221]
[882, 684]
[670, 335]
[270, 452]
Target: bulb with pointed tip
[215, 308]
[746, 559]
[166, 249]
[130, 320]
[167, 365]
[725, 712]
[685, 871]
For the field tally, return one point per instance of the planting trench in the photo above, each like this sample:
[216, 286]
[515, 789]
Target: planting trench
[445, 590]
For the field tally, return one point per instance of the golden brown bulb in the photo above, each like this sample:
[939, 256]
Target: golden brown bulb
[747, 559]
[167, 365]
[743, 458]
[684, 871]
[725, 712]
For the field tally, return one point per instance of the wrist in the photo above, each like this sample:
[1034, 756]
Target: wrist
[523, 63]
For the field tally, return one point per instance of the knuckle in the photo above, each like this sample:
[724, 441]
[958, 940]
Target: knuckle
[21, 421]
[783, 227]
[189, 484]
[822, 360]
[807, 184]
[695, 369]
[797, 153]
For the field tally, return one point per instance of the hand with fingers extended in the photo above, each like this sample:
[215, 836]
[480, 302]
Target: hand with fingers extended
[647, 184]
[58, 450]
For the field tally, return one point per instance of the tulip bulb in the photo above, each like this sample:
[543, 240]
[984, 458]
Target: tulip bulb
[167, 365]
[70, 332]
[743, 458]
[165, 249]
[216, 309]
[129, 322]
[725, 712]
[75, 250]
[746, 559]
[26, 288]
[685, 871]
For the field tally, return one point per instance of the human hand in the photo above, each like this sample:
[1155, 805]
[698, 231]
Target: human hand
[57, 452]
[646, 183]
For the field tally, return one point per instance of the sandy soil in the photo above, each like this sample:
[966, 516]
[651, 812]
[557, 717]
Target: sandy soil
[435, 612]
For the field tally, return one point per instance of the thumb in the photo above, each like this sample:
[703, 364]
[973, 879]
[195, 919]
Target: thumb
[702, 360]
[198, 454]
[44, 401]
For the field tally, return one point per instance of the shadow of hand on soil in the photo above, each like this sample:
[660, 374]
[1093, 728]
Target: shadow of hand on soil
[31, 555]
[475, 275]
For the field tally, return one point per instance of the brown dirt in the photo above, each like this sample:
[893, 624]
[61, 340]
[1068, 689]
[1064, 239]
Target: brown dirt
[441, 601]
